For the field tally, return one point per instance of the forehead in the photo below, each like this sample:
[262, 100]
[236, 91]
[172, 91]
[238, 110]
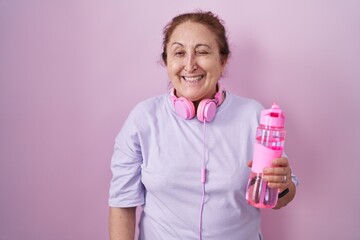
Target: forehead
[190, 33]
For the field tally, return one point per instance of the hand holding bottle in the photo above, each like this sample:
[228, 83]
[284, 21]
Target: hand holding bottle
[275, 177]
[279, 175]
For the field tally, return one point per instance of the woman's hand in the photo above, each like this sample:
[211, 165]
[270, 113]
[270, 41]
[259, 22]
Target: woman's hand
[279, 176]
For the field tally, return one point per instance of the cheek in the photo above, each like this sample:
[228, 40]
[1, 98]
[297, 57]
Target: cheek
[173, 67]
[211, 64]
[214, 69]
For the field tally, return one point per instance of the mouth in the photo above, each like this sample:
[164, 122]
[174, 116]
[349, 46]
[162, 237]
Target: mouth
[193, 79]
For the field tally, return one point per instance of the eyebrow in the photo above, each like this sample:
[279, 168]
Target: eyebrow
[196, 46]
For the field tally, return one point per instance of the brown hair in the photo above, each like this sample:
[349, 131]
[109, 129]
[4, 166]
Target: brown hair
[208, 19]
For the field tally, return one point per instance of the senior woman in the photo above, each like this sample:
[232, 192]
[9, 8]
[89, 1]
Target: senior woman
[184, 156]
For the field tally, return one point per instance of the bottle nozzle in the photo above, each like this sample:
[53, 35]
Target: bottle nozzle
[273, 117]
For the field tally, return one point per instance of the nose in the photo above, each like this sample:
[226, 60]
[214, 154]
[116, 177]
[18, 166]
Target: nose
[190, 63]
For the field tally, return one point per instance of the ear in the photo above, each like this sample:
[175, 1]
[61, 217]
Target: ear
[223, 65]
[224, 62]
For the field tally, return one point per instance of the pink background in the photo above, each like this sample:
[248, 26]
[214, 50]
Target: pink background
[70, 71]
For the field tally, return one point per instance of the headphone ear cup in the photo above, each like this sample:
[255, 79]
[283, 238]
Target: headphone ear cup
[184, 108]
[206, 110]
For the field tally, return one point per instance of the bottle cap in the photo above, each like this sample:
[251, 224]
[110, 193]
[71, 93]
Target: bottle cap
[273, 117]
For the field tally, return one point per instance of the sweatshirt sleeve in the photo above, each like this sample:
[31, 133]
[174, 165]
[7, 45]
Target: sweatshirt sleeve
[126, 188]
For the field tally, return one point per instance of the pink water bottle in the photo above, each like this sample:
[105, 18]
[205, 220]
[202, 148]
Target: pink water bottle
[269, 144]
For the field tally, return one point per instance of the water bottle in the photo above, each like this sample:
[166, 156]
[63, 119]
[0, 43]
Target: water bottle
[269, 144]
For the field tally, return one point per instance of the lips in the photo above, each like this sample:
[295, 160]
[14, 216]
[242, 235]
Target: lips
[193, 79]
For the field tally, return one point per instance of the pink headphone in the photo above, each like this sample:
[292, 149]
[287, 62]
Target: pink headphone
[206, 110]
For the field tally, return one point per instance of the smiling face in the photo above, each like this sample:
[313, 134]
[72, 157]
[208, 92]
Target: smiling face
[194, 63]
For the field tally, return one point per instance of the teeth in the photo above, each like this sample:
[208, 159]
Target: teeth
[193, 79]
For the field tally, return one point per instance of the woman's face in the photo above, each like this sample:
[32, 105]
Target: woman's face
[193, 61]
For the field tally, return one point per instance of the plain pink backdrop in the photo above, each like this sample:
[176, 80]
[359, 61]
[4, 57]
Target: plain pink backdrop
[70, 71]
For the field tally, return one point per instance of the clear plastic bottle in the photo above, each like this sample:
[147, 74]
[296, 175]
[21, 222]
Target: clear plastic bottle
[269, 144]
